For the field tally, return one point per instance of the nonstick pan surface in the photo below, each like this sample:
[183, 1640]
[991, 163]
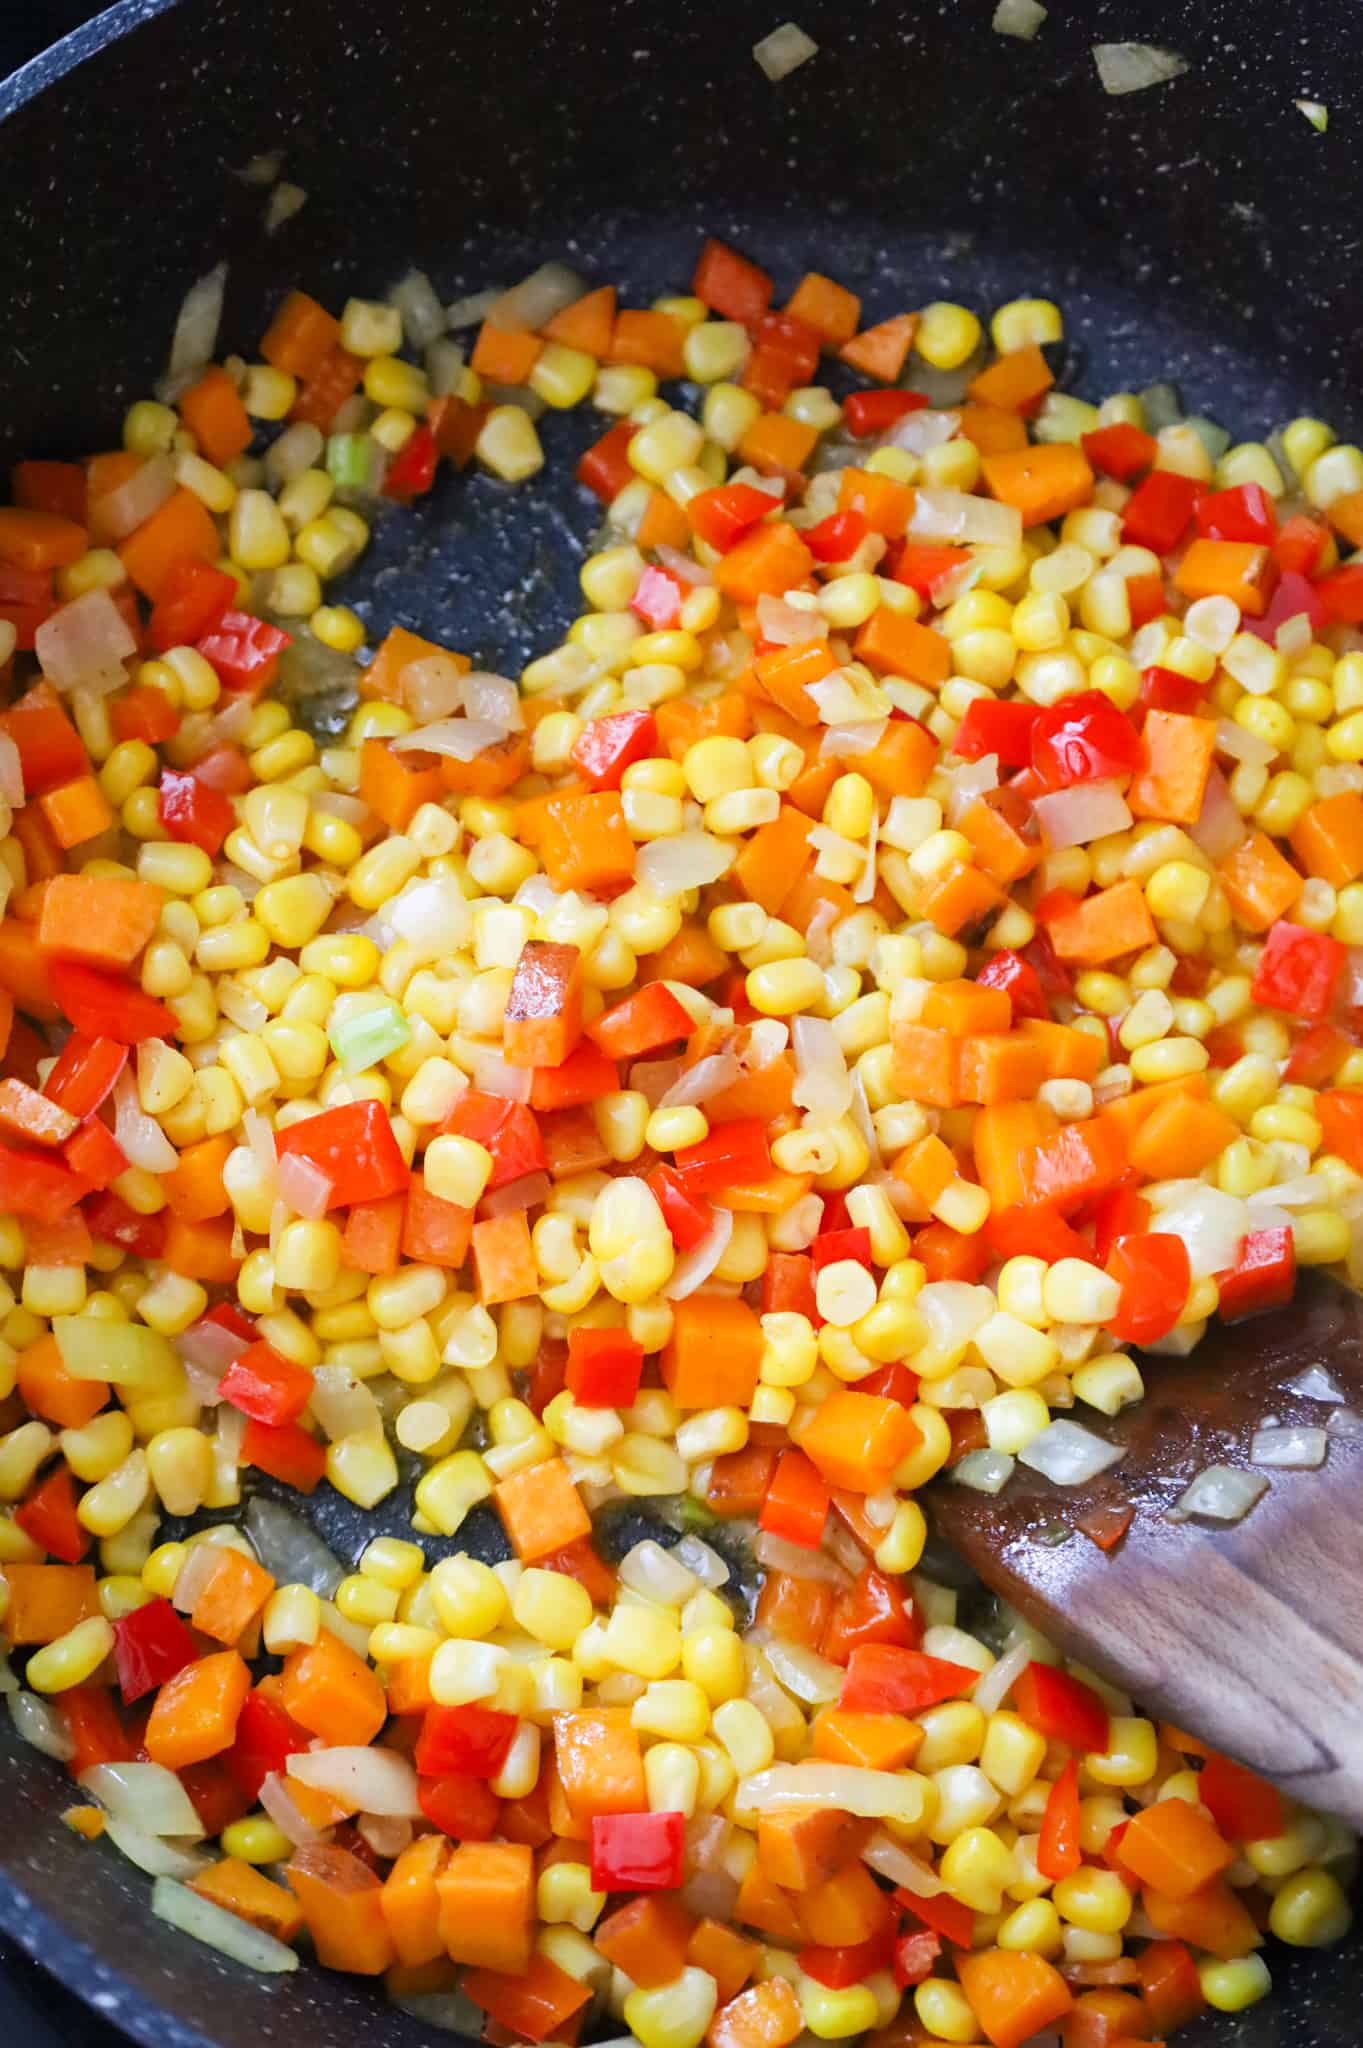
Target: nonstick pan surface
[1201, 232]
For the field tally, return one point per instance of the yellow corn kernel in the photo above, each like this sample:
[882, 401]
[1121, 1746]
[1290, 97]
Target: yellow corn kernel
[1131, 1754]
[944, 2010]
[73, 1659]
[1093, 1899]
[292, 1618]
[947, 335]
[1234, 1986]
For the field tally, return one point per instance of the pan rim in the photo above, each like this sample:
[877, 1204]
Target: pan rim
[52, 64]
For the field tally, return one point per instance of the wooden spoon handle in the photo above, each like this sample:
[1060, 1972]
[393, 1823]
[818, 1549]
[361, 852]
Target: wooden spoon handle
[1250, 1635]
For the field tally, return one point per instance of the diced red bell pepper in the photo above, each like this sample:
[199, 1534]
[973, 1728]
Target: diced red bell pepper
[1120, 450]
[688, 1216]
[840, 1968]
[191, 811]
[1040, 955]
[95, 1728]
[604, 1368]
[1158, 512]
[144, 713]
[730, 285]
[873, 1610]
[1144, 598]
[460, 1805]
[32, 1184]
[85, 1072]
[723, 515]
[643, 1022]
[831, 1245]
[1084, 739]
[504, 1128]
[605, 468]
[48, 1517]
[94, 1154]
[797, 1501]
[943, 1914]
[875, 412]
[1169, 1985]
[785, 355]
[109, 1219]
[1061, 1708]
[1106, 1527]
[1298, 971]
[1059, 1851]
[1341, 594]
[993, 727]
[1316, 1057]
[923, 568]
[412, 471]
[58, 487]
[585, 1076]
[104, 1006]
[266, 1738]
[225, 768]
[883, 1678]
[1154, 1275]
[915, 1956]
[1245, 512]
[286, 1452]
[354, 1146]
[1009, 971]
[838, 537]
[732, 1153]
[1298, 546]
[894, 1382]
[51, 751]
[1264, 1275]
[471, 1738]
[605, 747]
[637, 1852]
[1038, 1231]
[151, 1645]
[1245, 1807]
[26, 602]
[266, 1386]
[1122, 1212]
[243, 651]
[1164, 689]
[192, 602]
[657, 599]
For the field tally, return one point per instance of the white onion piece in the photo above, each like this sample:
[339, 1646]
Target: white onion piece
[190, 1913]
[707, 1894]
[1293, 637]
[517, 1195]
[1294, 1449]
[1306, 1191]
[697, 1084]
[462, 739]
[823, 1085]
[386, 1834]
[1131, 67]
[304, 1186]
[284, 202]
[983, 1471]
[229, 1432]
[361, 1777]
[196, 325]
[804, 1673]
[778, 1554]
[940, 514]
[1316, 1384]
[536, 299]
[343, 1405]
[970, 782]
[470, 310]
[684, 567]
[920, 431]
[847, 696]
[139, 1136]
[260, 1138]
[432, 687]
[784, 51]
[492, 1076]
[1242, 745]
[653, 1078]
[863, 737]
[423, 316]
[11, 773]
[434, 915]
[888, 1859]
[1018, 18]
[999, 1680]
[1219, 1494]
[864, 888]
[147, 1795]
[1069, 1454]
[669, 867]
[155, 1854]
[953, 1310]
[694, 1268]
[702, 1562]
[1345, 1422]
[860, 1113]
[1084, 812]
[211, 1346]
[492, 698]
[84, 645]
[198, 1568]
[290, 1550]
[658, 1573]
[1219, 826]
[279, 1803]
[1211, 1224]
[870, 1795]
[40, 1725]
[789, 625]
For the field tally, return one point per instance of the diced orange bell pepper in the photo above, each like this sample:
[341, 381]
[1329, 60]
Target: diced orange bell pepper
[242, 1889]
[541, 1510]
[714, 1353]
[1261, 886]
[342, 1904]
[1179, 752]
[856, 1440]
[195, 1714]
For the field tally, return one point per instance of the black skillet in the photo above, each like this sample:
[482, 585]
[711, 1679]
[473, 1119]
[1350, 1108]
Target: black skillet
[1202, 232]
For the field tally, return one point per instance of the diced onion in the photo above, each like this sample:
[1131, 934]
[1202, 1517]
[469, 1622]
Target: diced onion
[361, 1777]
[941, 514]
[999, 1680]
[536, 299]
[342, 1404]
[84, 644]
[1314, 111]
[658, 1573]
[195, 339]
[823, 1085]
[423, 316]
[1316, 1384]
[919, 432]
[40, 1725]
[229, 1433]
[784, 51]
[277, 1800]
[492, 698]
[1304, 1191]
[983, 1471]
[1219, 826]
[471, 310]
[211, 1346]
[697, 1084]
[148, 1795]
[386, 1834]
[870, 1795]
[1211, 1224]
[889, 1859]
[653, 1078]
[492, 1076]
[190, 1913]
[1219, 1494]
[1018, 18]
[1345, 1422]
[684, 567]
[11, 773]
[864, 888]
[777, 1554]
[803, 1672]
[157, 1855]
[1243, 745]
[789, 625]
[433, 915]
[848, 696]
[139, 1136]
[1131, 67]
[432, 687]
[198, 1568]
[694, 1268]
[1081, 813]
[304, 1186]
[953, 1310]
[861, 737]
[462, 739]
[1069, 1454]
[669, 867]
[702, 1562]
[1294, 1449]
[515, 1196]
[284, 202]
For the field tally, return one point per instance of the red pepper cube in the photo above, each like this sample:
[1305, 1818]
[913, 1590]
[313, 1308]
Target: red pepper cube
[1264, 1275]
[1119, 450]
[150, 1645]
[688, 1216]
[657, 599]
[637, 1852]
[797, 1501]
[644, 1022]
[266, 1386]
[1061, 1708]
[1298, 971]
[192, 812]
[505, 1129]
[1154, 1275]
[721, 516]
[1009, 971]
[732, 1153]
[243, 651]
[1158, 511]
[605, 747]
[605, 468]
[875, 412]
[1245, 513]
[473, 1739]
[286, 1452]
[604, 1368]
[413, 468]
[838, 537]
[1084, 739]
[191, 603]
[354, 1146]
[990, 727]
[266, 1738]
[831, 1245]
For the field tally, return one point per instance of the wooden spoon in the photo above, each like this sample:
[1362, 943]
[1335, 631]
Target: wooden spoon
[1251, 1634]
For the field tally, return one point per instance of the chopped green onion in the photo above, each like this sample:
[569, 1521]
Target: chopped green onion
[360, 1042]
[1315, 112]
[350, 461]
[219, 1929]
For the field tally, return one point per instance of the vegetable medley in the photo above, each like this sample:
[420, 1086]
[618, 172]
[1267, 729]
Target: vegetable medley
[900, 952]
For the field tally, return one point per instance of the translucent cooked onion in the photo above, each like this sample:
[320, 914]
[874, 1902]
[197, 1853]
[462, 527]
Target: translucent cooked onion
[433, 915]
[889, 1859]
[941, 514]
[862, 737]
[1211, 1224]
[1243, 745]
[1219, 826]
[216, 1928]
[157, 1855]
[1131, 67]
[1018, 18]
[777, 1554]
[784, 51]
[342, 1404]
[11, 773]
[360, 1777]
[536, 299]
[147, 1795]
[653, 1078]
[1292, 1448]
[1219, 1494]
[431, 688]
[471, 310]
[493, 699]
[139, 1136]
[848, 696]
[40, 1725]
[870, 1795]
[84, 644]
[919, 432]
[803, 1672]
[1084, 812]
[658, 1573]
[970, 782]
[304, 1186]
[789, 625]
[211, 1346]
[697, 1084]
[462, 739]
[516, 1195]
[198, 1568]
[694, 1268]
[685, 568]
[493, 1076]
[1316, 1384]
[953, 1310]
[278, 1802]
[1069, 1454]
[702, 1562]
[284, 202]
[386, 1834]
[145, 491]
[983, 1471]
[669, 867]
[195, 340]
[423, 316]
[999, 1680]
[823, 1085]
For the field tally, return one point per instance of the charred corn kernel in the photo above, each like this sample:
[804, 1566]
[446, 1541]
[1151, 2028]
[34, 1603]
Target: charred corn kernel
[73, 1659]
[1234, 1986]
[1130, 1757]
[292, 1618]
[944, 2010]
[947, 335]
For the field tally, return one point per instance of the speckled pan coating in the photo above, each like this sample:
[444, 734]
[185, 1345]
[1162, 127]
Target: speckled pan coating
[1202, 232]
